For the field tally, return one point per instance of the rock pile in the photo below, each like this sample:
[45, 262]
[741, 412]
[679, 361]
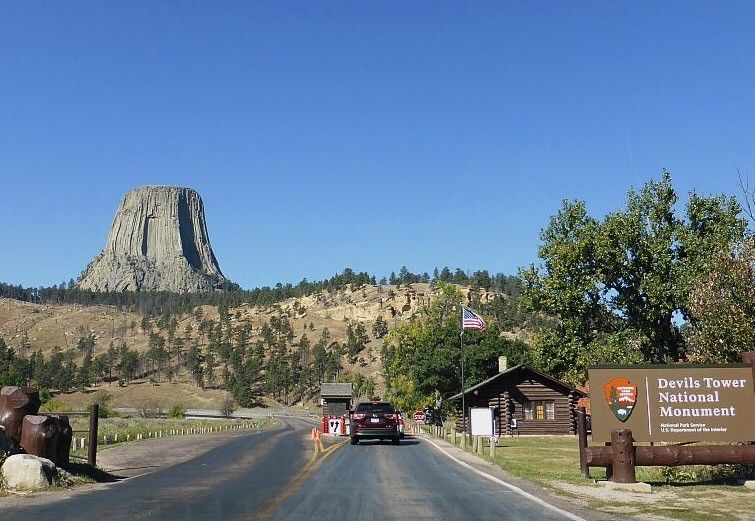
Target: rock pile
[158, 242]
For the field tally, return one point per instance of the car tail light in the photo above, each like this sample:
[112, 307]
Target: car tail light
[359, 416]
[390, 416]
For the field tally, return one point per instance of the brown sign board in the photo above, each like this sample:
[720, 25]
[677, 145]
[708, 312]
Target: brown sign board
[673, 403]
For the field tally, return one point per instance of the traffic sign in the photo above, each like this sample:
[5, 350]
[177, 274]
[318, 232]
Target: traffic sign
[419, 417]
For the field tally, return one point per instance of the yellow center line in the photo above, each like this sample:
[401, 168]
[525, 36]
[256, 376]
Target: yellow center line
[297, 480]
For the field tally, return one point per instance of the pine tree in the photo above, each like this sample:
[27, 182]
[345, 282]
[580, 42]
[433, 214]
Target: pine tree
[84, 379]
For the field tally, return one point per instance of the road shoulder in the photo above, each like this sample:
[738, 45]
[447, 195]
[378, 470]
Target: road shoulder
[136, 458]
[529, 490]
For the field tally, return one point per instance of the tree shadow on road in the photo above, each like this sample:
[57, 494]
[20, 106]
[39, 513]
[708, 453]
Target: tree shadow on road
[86, 470]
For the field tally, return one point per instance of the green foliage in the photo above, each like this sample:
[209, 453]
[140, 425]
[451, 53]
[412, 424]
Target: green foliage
[631, 272]
[227, 408]
[403, 394]
[380, 327]
[177, 411]
[422, 357]
[363, 387]
[722, 306]
[104, 400]
[54, 405]
[14, 369]
[680, 474]
[44, 395]
[356, 340]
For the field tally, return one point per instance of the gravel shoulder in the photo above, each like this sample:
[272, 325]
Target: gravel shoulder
[128, 460]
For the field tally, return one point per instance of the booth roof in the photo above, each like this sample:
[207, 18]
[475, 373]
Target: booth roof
[335, 389]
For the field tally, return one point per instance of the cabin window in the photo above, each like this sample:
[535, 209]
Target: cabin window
[540, 410]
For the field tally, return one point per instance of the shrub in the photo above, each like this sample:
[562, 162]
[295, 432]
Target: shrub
[56, 405]
[178, 411]
[227, 408]
[679, 474]
[44, 395]
[103, 399]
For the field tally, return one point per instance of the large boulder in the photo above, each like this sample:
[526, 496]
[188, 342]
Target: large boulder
[24, 472]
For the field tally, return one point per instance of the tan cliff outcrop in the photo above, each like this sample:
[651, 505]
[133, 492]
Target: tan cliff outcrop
[158, 242]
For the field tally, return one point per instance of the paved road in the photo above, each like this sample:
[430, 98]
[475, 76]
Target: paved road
[268, 475]
[376, 481]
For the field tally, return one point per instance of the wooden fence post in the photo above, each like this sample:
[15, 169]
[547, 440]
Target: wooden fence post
[94, 416]
[623, 457]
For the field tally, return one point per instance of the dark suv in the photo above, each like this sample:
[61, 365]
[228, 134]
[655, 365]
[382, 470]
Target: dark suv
[375, 421]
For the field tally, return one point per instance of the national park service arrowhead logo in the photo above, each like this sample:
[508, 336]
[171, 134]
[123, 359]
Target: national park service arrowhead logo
[621, 396]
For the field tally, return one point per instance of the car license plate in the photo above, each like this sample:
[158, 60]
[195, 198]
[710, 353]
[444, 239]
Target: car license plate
[374, 420]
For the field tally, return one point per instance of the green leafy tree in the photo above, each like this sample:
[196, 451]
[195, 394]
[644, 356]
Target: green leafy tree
[630, 273]
[363, 387]
[426, 351]
[722, 306]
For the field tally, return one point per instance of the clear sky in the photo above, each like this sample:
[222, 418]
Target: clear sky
[371, 135]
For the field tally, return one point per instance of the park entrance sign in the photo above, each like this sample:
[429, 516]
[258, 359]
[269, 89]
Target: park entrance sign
[673, 403]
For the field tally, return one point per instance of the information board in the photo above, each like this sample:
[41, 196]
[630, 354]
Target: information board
[481, 421]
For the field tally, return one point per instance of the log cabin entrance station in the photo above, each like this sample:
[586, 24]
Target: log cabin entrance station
[524, 401]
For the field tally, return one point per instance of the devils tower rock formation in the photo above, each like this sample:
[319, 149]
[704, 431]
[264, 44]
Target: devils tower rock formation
[158, 242]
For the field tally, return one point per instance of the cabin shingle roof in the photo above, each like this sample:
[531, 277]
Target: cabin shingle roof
[519, 367]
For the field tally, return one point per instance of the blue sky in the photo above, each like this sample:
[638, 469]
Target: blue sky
[372, 135]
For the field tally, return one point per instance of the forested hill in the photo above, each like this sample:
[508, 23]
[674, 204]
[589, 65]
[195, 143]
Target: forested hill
[164, 303]
[254, 343]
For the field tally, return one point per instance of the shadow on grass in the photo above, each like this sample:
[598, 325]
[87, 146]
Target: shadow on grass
[731, 482]
[86, 470]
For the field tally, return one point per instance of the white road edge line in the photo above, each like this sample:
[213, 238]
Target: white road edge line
[509, 486]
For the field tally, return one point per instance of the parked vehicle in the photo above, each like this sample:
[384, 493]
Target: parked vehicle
[432, 417]
[376, 421]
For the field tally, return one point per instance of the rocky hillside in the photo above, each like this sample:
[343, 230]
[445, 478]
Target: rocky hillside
[27, 327]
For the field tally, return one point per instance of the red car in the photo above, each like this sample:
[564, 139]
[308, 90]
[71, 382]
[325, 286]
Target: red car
[375, 421]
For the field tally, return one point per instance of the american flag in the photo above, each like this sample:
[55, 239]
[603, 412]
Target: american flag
[471, 320]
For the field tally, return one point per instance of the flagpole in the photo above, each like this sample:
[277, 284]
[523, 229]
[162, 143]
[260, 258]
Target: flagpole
[463, 401]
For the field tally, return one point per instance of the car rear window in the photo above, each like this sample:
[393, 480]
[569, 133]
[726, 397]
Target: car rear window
[374, 407]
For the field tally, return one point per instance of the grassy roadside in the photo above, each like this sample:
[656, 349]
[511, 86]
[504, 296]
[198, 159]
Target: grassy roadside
[553, 462]
[114, 431]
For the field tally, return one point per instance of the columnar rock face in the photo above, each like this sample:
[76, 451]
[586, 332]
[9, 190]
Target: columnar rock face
[158, 242]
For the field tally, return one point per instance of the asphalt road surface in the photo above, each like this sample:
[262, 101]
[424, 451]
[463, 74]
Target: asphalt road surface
[270, 475]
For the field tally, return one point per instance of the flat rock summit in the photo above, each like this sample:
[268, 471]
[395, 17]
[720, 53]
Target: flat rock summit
[158, 242]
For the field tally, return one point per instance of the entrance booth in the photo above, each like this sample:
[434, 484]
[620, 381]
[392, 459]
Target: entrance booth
[335, 399]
